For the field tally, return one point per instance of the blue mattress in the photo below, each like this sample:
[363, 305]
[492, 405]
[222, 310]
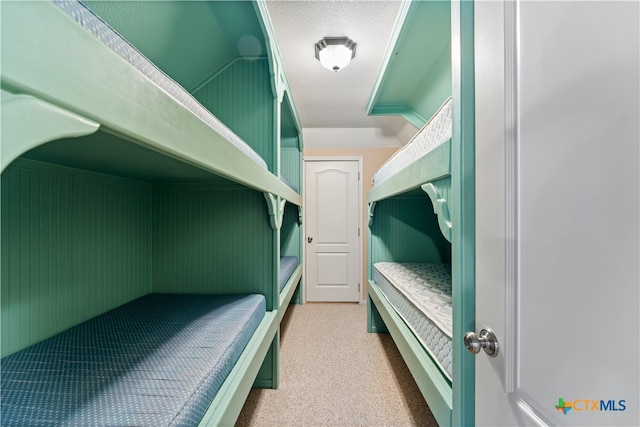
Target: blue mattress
[158, 360]
[288, 265]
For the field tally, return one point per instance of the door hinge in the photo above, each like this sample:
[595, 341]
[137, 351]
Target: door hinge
[358, 231]
[358, 176]
[358, 286]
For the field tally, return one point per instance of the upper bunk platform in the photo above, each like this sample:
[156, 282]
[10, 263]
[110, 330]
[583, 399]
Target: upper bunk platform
[426, 158]
[67, 79]
[415, 82]
[415, 76]
[110, 154]
[433, 166]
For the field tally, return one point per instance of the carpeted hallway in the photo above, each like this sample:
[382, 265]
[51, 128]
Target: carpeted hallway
[334, 373]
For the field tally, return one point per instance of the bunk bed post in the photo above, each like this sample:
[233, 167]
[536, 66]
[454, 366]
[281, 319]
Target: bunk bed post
[269, 373]
[375, 323]
[463, 208]
[298, 295]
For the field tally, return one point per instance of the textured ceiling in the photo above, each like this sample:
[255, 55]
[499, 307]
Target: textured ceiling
[325, 99]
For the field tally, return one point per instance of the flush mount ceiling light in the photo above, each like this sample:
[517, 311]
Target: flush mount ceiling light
[335, 53]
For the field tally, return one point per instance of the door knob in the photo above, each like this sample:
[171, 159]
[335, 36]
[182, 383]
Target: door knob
[309, 239]
[486, 340]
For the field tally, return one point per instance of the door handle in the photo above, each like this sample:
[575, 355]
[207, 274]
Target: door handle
[309, 239]
[486, 340]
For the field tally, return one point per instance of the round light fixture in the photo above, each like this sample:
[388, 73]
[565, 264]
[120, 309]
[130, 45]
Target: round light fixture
[335, 53]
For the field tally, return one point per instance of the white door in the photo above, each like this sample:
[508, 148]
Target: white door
[332, 200]
[557, 176]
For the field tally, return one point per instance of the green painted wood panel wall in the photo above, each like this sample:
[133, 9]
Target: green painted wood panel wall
[74, 244]
[435, 87]
[290, 233]
[212, 240]
[242, 98]
[78, 243]
[405, 229]
[291, 166]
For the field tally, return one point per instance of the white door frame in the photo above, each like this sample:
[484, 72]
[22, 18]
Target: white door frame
[358, 159]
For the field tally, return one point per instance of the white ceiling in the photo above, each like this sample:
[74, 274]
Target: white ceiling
[326, 99]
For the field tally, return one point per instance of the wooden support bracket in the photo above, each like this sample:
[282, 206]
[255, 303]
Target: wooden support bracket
[440, 208]
[372, 208]
[276, 209]
[28, 122]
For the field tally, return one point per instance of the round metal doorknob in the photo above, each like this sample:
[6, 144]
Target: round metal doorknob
[485, 340]
[309, 239]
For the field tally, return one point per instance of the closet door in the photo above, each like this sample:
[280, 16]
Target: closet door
[558, 184]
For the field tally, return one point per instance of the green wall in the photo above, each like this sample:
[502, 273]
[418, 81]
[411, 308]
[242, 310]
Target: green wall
[78, 243]
[241, 97]
[74, 244]
[290, 233]
[203, 237]
[291, 166]
[435, 87]
[405, 229]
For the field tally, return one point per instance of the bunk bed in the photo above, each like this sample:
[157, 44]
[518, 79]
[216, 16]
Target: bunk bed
[409, 292]
[415, 291]
[120, 184]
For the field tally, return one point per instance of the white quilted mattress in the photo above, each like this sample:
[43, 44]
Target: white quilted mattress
[434, 133]
[421, 294]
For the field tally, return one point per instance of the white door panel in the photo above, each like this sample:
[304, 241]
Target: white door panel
[332, 188]
[333, 245]
[558, 196]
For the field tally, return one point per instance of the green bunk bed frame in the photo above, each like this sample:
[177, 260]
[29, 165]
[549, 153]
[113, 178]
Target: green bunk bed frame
[429, 58]
[84, 127]
[406, 192]
[290, 236]
[290, 245]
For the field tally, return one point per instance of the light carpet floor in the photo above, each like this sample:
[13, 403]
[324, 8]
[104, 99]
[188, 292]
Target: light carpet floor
[334, 373]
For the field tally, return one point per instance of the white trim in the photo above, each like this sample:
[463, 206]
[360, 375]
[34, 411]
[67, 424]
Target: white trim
[333, 159]
[358, 159]
[511, 150]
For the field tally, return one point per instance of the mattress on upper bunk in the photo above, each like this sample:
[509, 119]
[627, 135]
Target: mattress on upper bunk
[288, 265]
[158, 360]
[107, 35]
[434, 133]
[421, 294]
